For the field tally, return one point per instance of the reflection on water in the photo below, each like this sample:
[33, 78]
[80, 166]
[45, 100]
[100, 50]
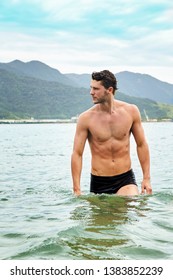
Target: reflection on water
[100, 232]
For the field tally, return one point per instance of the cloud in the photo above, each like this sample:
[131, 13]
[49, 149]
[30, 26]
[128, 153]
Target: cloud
[80, 36]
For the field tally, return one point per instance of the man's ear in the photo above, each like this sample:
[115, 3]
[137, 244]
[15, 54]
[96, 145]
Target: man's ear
[111, 90]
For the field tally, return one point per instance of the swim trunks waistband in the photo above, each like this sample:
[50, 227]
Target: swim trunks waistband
[111, 184]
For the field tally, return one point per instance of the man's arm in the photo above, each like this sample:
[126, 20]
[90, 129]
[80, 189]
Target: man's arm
[142, 150]
[78, 148]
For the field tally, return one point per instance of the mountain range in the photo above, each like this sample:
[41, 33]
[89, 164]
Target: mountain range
[36, 90]
[135, 84]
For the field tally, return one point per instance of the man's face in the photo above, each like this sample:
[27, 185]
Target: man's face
[98, 92]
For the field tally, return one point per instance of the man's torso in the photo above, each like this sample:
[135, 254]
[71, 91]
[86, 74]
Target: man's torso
[109, 140]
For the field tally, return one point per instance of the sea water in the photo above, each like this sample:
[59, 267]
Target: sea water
[40, 218]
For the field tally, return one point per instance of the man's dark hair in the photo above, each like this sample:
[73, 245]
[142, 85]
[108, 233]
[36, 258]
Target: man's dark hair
[107, 79]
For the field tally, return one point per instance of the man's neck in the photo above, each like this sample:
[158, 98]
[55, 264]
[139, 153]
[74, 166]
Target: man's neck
[108, 106]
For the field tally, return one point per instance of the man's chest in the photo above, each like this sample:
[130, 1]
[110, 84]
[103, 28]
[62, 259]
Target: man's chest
[104, 129]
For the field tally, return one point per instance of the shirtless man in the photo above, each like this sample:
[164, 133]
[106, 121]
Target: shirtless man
[107, 126]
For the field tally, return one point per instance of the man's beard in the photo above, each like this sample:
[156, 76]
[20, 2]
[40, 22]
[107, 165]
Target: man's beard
[98, 101]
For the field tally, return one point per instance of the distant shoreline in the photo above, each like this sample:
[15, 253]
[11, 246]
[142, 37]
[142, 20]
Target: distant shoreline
[51, 121]
[34, 121]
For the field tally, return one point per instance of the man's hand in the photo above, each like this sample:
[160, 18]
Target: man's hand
[146, 187]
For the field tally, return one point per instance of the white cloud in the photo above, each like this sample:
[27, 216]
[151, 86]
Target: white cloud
[166, 16]
[140, 49]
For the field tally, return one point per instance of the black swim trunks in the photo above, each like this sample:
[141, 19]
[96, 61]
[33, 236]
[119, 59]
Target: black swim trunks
[111, 184]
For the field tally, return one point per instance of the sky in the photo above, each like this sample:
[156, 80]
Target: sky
[85, 36]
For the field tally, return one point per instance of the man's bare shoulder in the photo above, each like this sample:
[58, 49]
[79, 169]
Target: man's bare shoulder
[84, 118]
[87, 114]
[132, 109]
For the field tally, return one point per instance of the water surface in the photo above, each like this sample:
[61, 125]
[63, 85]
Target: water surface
[41, 219]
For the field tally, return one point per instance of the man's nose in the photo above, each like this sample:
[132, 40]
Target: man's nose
[91, 91]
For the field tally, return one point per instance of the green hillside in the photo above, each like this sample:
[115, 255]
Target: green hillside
[27, 97]
[153, 109]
